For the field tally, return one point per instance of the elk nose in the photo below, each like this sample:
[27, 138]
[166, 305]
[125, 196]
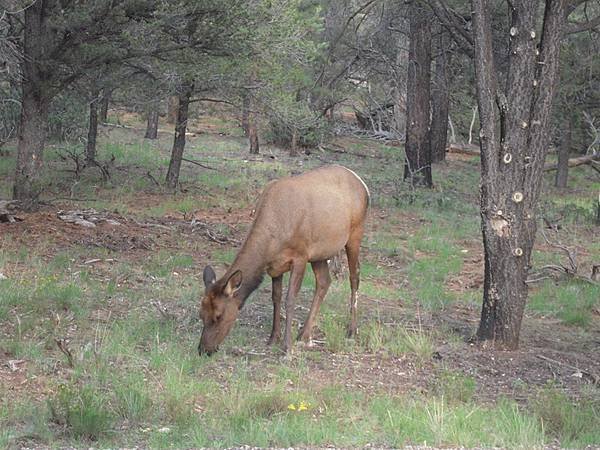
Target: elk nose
[203, 351]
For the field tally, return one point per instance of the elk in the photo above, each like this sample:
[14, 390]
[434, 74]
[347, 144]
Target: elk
[298, 219]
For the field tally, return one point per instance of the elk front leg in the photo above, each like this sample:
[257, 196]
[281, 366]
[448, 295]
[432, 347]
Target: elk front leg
[277, 284]
[296, 276]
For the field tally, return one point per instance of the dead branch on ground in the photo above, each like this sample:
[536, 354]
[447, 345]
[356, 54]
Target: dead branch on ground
[570, 270]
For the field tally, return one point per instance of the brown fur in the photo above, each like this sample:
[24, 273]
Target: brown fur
[301, 219]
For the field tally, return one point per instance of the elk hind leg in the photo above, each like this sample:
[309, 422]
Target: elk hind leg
[322, 281]
[352, 251]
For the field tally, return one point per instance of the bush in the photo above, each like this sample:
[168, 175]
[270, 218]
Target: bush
[68, 116]
[310, 129]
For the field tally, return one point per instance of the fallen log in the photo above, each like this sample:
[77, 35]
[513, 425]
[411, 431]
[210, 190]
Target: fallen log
[8, 209]
[464, 149]
[574, 162]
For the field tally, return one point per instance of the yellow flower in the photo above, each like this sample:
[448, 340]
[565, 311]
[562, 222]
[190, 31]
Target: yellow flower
[292, 407]
[303, 406]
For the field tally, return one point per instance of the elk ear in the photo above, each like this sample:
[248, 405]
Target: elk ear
[209, 276]
[233, 283]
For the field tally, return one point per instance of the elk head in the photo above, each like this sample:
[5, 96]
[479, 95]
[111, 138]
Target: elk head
[219, 308]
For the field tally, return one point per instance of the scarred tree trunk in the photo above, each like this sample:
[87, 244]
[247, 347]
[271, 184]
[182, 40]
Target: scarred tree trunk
[417, 168]
[440, 100]
[179, 141]
[152, 122]
[90, 149]
[34, 108]
[512, 156]
[562, 172]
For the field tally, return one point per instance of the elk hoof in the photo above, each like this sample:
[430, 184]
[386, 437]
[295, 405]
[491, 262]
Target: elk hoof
[274, 339]
[304, 336]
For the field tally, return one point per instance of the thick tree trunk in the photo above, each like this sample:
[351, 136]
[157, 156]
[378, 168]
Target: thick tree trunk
[104, 102]
[179, 141]
[34, 108]
[152, 122]
[30, 146]
[440, 101]
[417, 168]
[562, 172]
[512, 156]
[90, 150]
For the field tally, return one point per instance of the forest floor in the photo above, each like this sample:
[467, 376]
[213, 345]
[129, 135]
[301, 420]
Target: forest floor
[99, 324]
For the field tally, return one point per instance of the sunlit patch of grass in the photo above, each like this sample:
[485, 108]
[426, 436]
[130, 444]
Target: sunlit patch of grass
[141, 154]
[164, 264]
[434, 421]
[571, 301]
[83, 410]
[183, 205]
[374, 336]
[574, 425]
[223, 256]
[454, 387]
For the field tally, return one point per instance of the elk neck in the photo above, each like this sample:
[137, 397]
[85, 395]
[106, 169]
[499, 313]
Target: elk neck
[252, 261]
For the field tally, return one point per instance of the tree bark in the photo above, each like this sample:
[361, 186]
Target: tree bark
[440, 101]
[245, 119]
[562, 172]
[34, 107]
[417, 168]
[512, 156]
[90, 150]
[179, 141]
[253, 134]
[104, 102]
[152, 122]
[172, 109]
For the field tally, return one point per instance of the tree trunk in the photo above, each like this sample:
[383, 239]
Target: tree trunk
[294, 143]
[245, 119]
[253, 133]
[152, 122]
[104, 102]
[417, 168]
[34, 108]
[512, 156]
[179, 141]
[562, 172]
[440, 100]
[399, 92]
[90, 150]
[172, 109]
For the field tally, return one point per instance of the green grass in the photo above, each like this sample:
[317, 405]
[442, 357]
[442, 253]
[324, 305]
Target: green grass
[572, 302]
[574, 425]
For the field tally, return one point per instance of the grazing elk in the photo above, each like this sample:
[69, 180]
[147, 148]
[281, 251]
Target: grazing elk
[300, 219]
